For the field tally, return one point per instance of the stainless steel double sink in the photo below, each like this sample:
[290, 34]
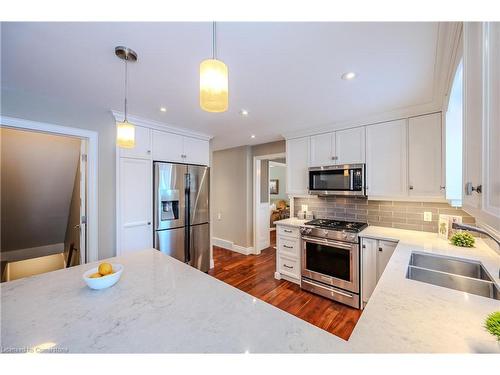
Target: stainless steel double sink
[460, 274]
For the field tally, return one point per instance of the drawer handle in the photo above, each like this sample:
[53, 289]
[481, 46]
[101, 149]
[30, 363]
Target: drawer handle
[287, 266]
[287, 230]
[288, 247]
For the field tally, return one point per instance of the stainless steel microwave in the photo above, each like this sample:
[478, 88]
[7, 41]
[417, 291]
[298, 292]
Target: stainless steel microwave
[345, 179]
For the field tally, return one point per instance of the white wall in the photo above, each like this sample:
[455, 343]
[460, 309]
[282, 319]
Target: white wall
[278, 172]
[38, 174]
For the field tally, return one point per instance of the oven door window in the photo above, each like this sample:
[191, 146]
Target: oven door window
[329, 260]
[330, 180]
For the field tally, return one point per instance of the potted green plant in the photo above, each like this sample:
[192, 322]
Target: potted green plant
[492, 324]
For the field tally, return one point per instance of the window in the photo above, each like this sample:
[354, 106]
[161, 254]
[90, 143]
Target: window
[454, 141]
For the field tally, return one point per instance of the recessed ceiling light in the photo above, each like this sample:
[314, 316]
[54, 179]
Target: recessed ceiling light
[244, 112]
[252, 136]
[348, 76]
[163, 109]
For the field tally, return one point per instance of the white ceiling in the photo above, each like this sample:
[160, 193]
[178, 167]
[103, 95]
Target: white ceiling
[286, 74]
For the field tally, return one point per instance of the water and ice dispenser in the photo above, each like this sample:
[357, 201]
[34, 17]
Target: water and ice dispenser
[169, 205]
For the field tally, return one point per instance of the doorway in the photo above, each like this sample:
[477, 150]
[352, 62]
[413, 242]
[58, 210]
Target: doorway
[271, 202]
[46, 184]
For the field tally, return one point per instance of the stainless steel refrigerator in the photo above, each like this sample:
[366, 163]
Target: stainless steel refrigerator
[182, 212]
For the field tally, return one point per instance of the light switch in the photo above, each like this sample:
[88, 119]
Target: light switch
[219, 216]
[427, 216]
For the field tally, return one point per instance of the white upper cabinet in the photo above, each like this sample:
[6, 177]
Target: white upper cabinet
[172, 147]
[425, 165]
[473, 106]
[350, 146]
[142, 148]
[135, 205]
[196, 151]
[322, 149]
[297, 161]
[167, 146]
[386, 159]
[481, 133]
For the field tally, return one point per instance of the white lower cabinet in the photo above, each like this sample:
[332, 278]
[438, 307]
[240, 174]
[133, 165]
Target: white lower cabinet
[288, 253]
[134, 205]
[375, 255]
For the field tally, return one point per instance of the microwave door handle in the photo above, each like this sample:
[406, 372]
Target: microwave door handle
[351, 180]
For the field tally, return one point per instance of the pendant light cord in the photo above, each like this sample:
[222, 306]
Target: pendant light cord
[214, 41]
[126, 77]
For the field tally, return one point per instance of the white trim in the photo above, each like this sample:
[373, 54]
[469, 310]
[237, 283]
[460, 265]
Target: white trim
[256, 193]
[141, 121]
[92, 170]
[31, 252]
[229, 245]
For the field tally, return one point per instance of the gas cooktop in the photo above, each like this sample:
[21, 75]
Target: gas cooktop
[352, 226]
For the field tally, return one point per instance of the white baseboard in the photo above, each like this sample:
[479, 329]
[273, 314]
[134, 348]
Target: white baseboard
[229, 245]
[31, 252]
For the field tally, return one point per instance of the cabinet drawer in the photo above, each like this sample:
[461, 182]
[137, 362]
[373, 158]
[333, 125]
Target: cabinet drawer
[289, 246]
[289, 267]
[288, 231]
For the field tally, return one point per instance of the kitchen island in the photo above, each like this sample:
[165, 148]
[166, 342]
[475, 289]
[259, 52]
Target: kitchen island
[162, 305]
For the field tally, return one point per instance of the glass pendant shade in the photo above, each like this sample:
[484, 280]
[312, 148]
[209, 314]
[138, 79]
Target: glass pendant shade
[125, 134]
[213, 86]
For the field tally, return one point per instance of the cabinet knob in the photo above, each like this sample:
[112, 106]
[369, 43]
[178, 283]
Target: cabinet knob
[411, 187]
[469, 188]
[149, 151]
[442, 187]
[364, 246]
[379, 249]
[149, 223]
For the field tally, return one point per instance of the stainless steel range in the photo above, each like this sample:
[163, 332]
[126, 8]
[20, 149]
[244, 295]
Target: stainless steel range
[330, 259]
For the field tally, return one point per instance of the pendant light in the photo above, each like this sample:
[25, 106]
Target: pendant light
[213, 81]
[125, 131]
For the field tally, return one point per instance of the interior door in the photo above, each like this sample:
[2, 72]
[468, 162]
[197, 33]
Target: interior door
[199, 184]
[82, 245]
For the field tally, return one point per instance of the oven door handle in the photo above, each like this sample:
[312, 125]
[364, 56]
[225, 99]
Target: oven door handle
[329, 289]
[343, 245]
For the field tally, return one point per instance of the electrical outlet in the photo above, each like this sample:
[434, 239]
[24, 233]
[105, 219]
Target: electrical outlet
[427, 216]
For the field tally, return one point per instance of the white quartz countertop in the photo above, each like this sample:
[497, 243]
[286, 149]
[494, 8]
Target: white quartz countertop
[163, 305]
[159, 305]
[405, 315]
[291, 222]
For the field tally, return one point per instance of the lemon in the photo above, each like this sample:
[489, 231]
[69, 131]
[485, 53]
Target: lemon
[105, 269]
[95, 275]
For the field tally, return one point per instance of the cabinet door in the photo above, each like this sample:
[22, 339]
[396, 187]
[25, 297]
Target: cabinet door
[196, 151]
[425, 156]
[297, 164]
[473, 106]
[368, 267]
[322, 149]
[350, 146]
[386, 167]
[167, 146]
[491, 126]
[135, 205]
[385, 249]
[142, 148]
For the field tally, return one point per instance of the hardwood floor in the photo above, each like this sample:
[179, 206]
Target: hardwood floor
[254, 274]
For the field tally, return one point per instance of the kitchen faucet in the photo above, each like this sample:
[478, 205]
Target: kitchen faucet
[471, 228]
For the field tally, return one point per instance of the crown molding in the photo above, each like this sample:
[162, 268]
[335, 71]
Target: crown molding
[140, 121]
[398, 114]
[448, 51]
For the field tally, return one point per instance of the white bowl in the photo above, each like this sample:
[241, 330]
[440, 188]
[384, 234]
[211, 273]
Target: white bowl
[103, 282]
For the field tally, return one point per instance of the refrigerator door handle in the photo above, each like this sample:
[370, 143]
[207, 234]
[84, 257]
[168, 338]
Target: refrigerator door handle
[187, 245]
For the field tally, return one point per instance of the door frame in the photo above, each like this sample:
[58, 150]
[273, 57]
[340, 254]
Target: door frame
[92, 168]
[256, 193]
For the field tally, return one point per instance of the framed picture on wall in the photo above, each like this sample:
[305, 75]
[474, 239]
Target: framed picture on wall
[274, 186]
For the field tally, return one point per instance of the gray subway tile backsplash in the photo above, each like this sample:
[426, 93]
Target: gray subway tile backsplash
[394, 214]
